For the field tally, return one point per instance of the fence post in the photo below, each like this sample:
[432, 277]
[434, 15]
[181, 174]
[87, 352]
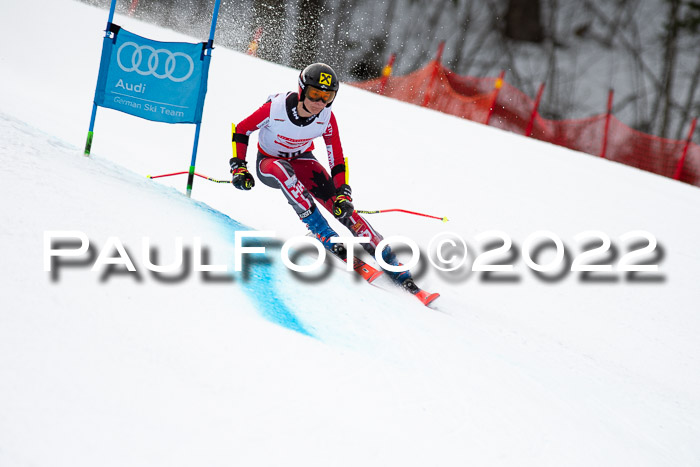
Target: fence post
[436, 68]
[531, 123]
[607, 124]
[132, 8]
[255, 42]
[386, 72]
[681, 162]
[497, 88]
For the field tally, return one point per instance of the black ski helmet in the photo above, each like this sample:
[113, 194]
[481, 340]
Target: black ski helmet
[318, 75]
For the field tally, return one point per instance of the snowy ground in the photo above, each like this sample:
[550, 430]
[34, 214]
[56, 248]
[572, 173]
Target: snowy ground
[263, 368]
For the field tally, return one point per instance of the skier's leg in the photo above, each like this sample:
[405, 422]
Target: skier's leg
[359, 227]
[279, 174]
[314, 176]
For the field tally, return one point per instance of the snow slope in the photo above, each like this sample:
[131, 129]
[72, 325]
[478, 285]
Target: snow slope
[265, 368]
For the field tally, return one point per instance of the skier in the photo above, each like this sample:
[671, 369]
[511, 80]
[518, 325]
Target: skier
[288, 124]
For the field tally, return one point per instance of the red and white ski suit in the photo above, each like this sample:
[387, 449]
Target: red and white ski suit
[286, 162]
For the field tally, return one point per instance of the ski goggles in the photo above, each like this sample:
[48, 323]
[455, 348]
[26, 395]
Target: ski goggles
[315, 94]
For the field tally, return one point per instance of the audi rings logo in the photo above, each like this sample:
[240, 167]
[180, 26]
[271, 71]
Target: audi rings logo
[154, 56]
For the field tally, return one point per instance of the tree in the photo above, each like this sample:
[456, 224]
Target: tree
[306, 33]
[664, 98]
[270, 16]
[690, 24]
[522, 21]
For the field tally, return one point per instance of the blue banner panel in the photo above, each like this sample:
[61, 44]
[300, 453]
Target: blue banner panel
[159, 81]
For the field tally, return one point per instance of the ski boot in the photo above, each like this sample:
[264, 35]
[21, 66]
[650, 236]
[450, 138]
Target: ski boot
[402, 278]
[319, 228]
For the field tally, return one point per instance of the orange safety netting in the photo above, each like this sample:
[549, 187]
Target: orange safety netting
[497, 103]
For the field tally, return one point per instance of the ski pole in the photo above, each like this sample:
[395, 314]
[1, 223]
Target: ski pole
[347, 172]
[347, 179]
[381, 211]
[180, 173]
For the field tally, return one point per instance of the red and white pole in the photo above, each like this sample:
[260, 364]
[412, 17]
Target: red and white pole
[607, 124]
[497, 85]
[681, 162]
[531, 123]
[132, 8]
[386, 72]
[433, 76]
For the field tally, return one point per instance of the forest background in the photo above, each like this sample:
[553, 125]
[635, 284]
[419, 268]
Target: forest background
[644, 50]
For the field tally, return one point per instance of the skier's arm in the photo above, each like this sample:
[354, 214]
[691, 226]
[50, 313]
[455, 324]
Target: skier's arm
[248, 125]
[342, 205]
[336, 161]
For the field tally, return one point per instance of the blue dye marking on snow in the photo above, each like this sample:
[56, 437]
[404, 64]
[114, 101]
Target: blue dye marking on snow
[260, 286]
[260, 283]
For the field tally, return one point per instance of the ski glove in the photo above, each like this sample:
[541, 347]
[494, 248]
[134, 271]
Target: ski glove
[242, 179]
[342, 206]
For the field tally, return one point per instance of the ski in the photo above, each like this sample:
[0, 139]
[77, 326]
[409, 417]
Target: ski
[370, 274]
[425, 297]
[366, 271]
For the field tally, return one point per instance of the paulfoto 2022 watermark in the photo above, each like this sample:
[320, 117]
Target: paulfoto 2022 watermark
[447, 252]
